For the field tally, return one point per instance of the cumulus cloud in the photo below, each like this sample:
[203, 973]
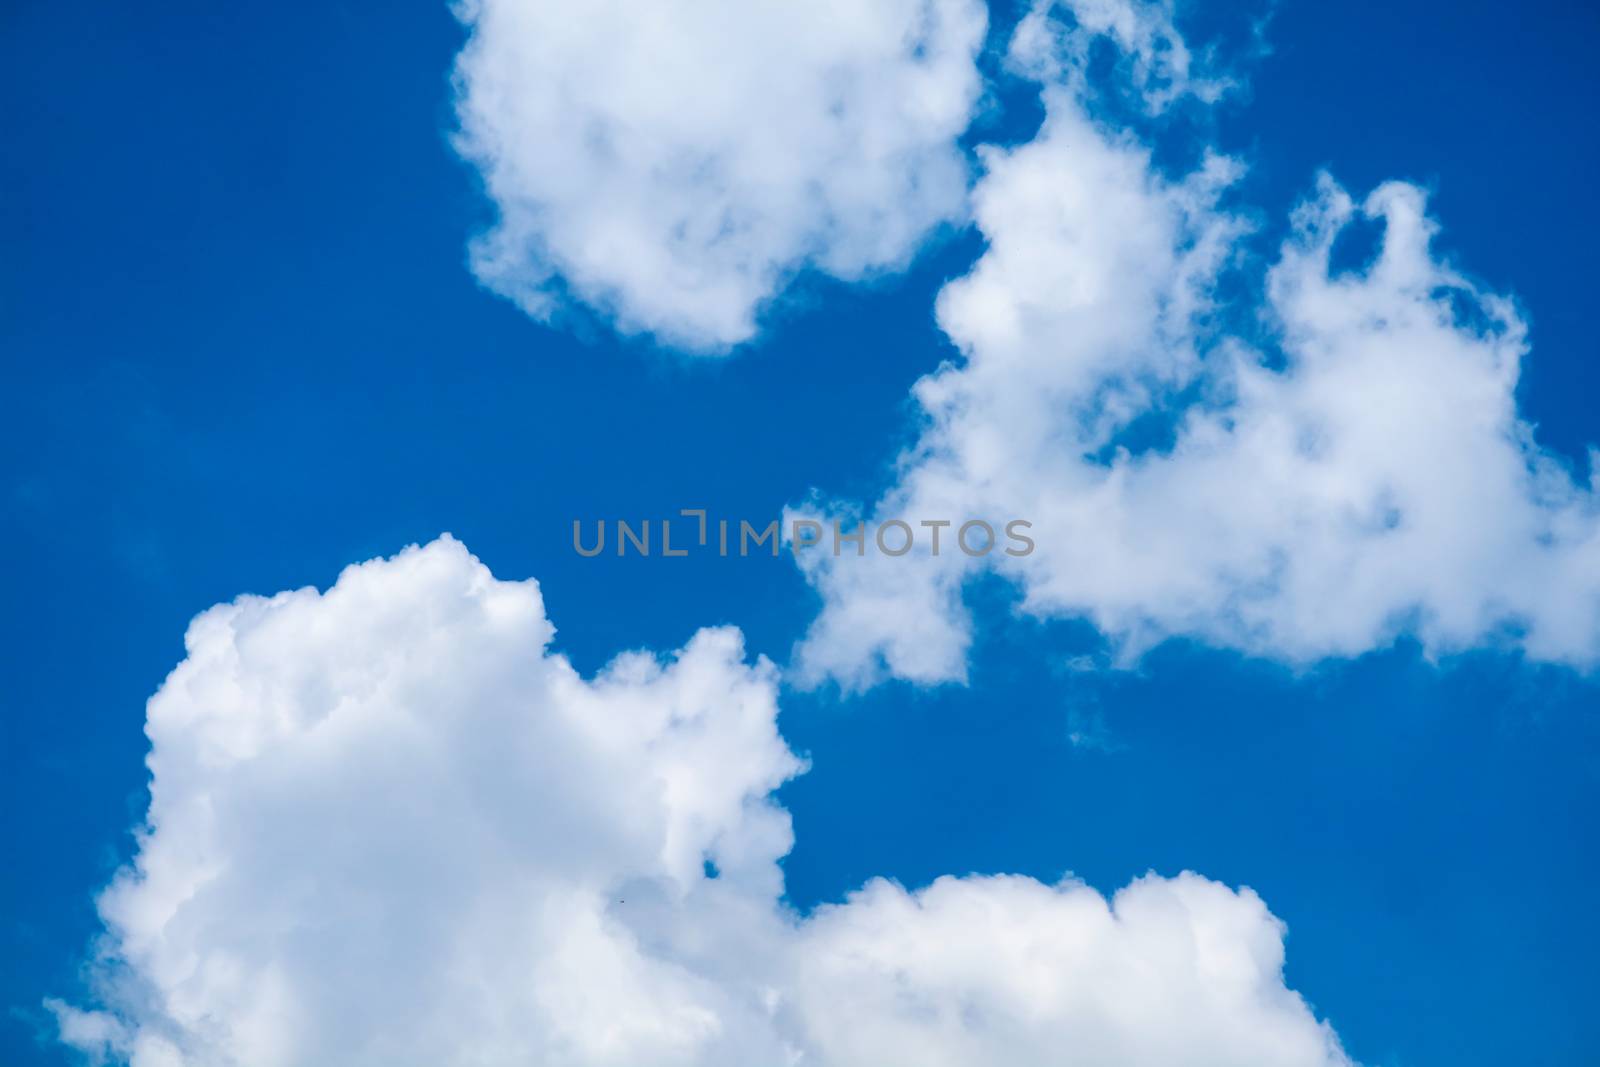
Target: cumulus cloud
[1355, 471]
[1007, 970]
[389, 826]
[672, 164]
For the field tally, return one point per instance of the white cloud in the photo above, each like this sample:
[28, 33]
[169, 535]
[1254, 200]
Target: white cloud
[672, 164]
[1008, 971]
[1052, 41]
[1378, 482]
[389, 826]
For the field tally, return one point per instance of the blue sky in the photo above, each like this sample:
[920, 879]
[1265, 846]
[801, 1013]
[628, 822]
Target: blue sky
[243, 349]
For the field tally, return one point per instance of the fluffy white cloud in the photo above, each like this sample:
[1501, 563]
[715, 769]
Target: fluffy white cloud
[1008, 971]
[671, 164]
[388, 826]
[1369, 478]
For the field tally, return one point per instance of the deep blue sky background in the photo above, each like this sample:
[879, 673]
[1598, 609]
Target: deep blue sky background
[241, 350]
